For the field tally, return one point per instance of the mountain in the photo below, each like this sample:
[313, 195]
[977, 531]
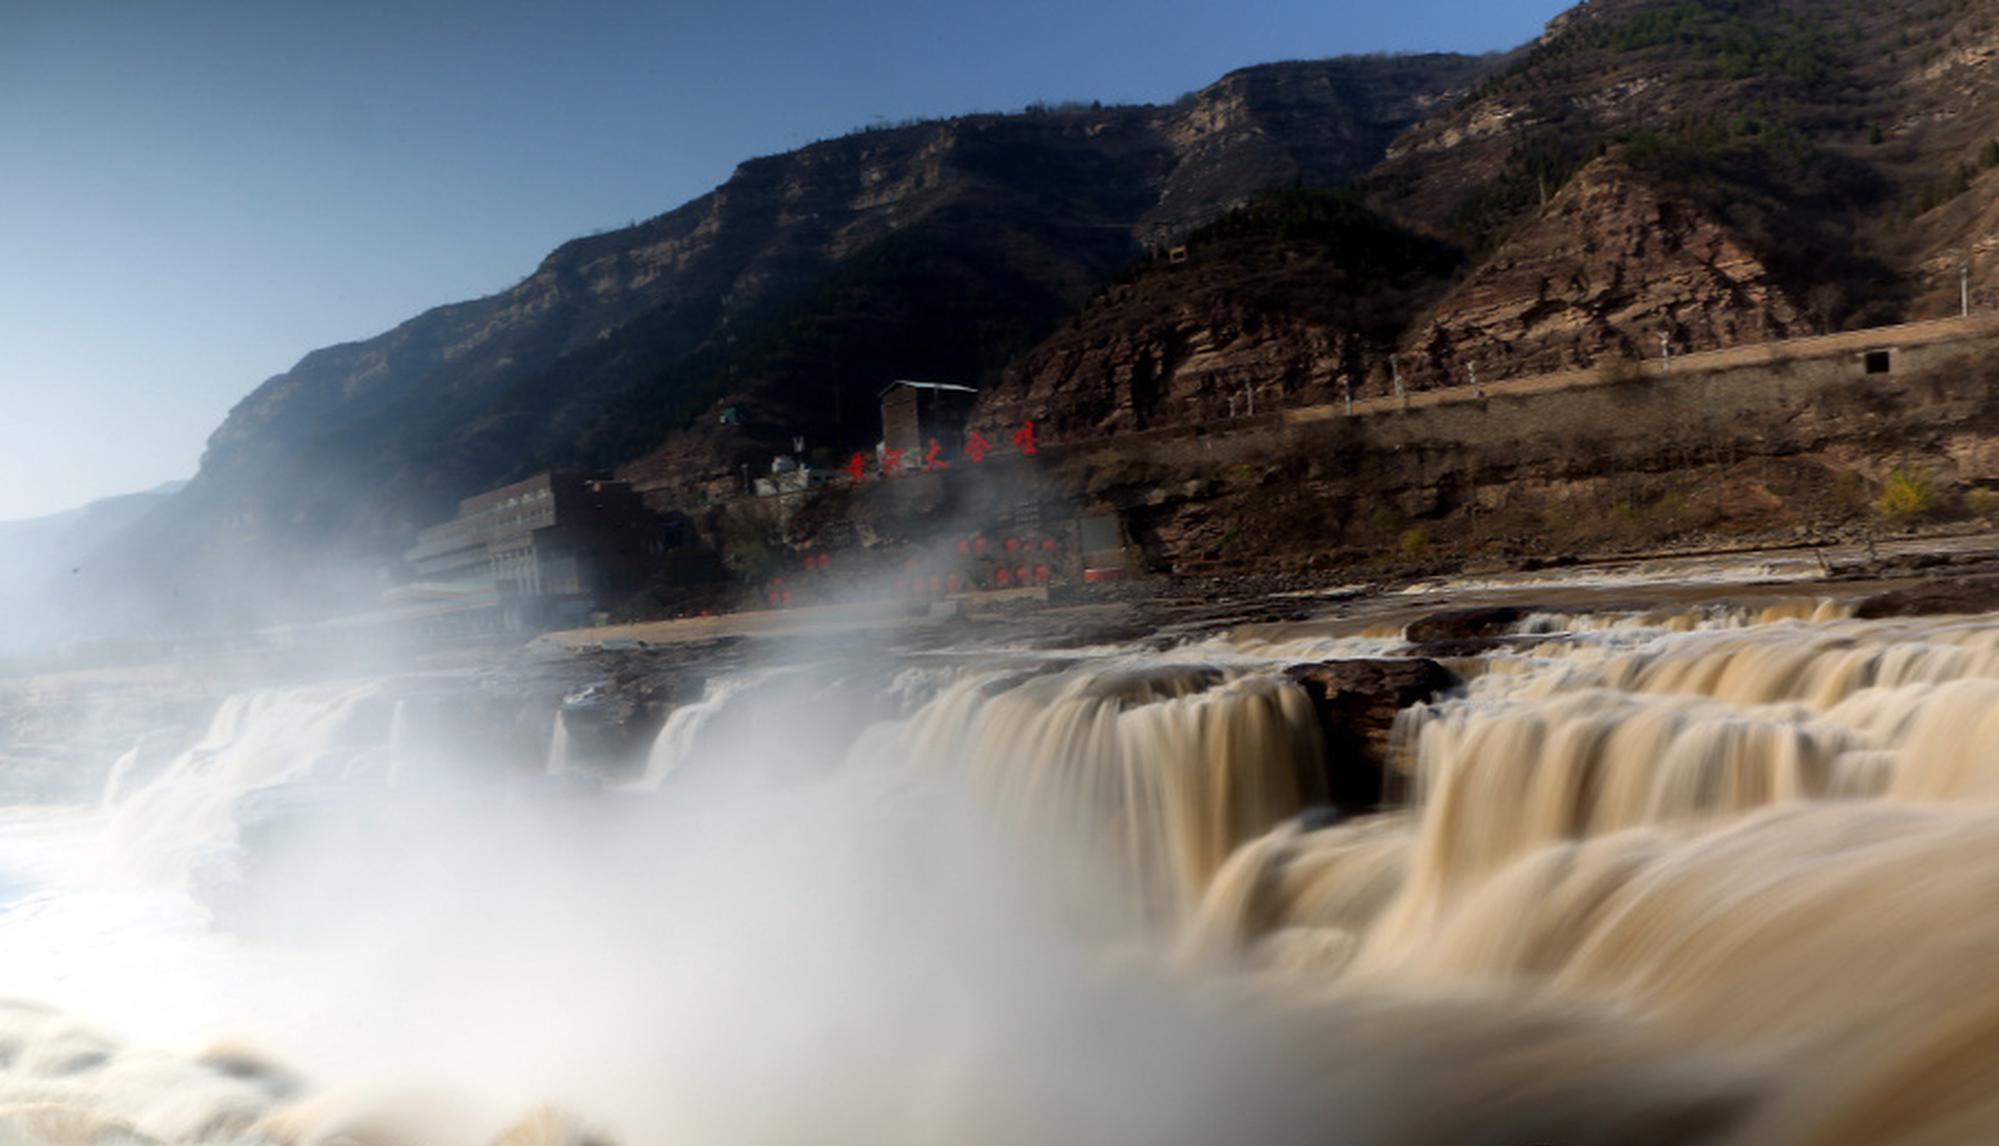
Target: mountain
[935, 249]
[36, 554]
[1713, 172]
[1706, 172]
[1281, 300]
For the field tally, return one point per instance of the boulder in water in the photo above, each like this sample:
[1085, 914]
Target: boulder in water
[1931, 598]
[1357, 702]
[1477, 623]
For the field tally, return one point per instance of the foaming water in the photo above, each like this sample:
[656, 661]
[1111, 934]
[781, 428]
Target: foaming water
[680, 737]
[1157, 771]
[1707, 874]
[1770, 833]
[257, 741]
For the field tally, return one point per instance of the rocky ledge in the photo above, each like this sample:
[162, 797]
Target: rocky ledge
[1358, 702]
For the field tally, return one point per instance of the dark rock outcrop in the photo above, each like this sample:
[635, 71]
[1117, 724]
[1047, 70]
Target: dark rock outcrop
[1933, 598]
[1473, 624]
[1357, 702]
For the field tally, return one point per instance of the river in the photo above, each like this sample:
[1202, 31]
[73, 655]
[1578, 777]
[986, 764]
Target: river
[1682, 859]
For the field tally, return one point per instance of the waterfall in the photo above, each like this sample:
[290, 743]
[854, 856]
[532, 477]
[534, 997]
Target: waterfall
[255, 741]
[1649, 723]
[1709, 874]
[558, 748]
[680, 737]
[1159, 771]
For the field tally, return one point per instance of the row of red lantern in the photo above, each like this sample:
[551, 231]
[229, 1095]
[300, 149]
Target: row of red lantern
[979, 545]
[939, 583]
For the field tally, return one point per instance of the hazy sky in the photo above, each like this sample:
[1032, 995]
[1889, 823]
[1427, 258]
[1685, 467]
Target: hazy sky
[193, 195]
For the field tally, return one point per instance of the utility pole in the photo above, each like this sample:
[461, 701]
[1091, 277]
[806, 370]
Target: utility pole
[1249, 396]
[1471, 368]
[1346, 388]
[1395, 368]
[1665, 353]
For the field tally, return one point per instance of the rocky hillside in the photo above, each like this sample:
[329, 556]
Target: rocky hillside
[1706, 171]
[1711, 172]
[1283, 301]
[941, 249]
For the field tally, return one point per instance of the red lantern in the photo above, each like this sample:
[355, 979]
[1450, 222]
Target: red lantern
[1012, 544]
[787, 598]
[1021, 574]
[824, 561]
[1041, 573]
[978, 545]
[963, 545]
[771, 597]
[1048, 545]
[1001, 577]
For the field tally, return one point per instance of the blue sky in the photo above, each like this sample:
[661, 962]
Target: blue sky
[193, 195]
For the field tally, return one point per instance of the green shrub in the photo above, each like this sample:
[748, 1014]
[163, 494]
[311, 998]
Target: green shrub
[1415, 542]
[1907, 495]
[1982, 502]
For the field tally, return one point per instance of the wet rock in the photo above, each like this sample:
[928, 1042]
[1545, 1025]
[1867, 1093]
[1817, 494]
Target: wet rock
[1470, 624]
[1959, 595]
[1482, 646]
[1357, 702]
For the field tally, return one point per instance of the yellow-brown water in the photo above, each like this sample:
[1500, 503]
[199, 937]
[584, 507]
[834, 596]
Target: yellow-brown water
[1777, 842]
[1695, 875]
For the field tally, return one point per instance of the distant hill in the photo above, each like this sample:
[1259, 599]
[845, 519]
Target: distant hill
[37, 554]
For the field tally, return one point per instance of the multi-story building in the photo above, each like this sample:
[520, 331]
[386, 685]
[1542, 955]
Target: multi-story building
[547, 549]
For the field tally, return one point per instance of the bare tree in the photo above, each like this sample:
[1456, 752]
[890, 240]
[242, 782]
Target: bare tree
[1826, 303]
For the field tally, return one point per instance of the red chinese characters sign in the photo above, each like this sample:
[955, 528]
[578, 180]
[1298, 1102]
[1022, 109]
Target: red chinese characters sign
[977, 449]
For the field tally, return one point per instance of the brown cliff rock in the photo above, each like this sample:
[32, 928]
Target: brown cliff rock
[1599, 275]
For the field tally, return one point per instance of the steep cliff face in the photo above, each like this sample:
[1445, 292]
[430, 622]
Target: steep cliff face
[1601, 274]
[1286, 301]
[1273, 124]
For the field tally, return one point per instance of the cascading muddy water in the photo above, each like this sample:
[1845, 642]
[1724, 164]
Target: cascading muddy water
[256, 741]
[1708, 875]
[866, 898]
[1773, 835]
[1158, 771]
